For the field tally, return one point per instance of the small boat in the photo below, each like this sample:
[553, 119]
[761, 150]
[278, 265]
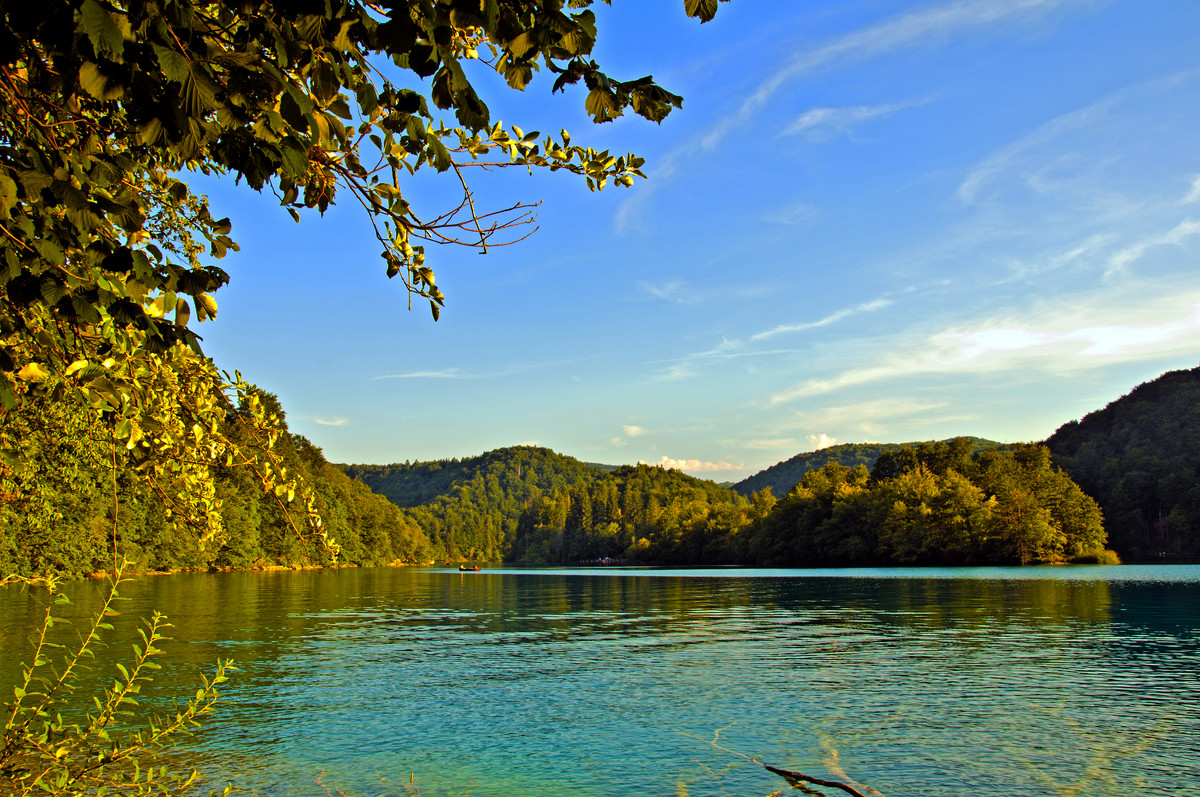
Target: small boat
[468, 568]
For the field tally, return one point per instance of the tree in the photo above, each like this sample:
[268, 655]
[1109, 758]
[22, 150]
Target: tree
[107, 104]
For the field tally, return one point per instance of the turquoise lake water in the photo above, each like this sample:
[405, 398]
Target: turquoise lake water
[979, 681]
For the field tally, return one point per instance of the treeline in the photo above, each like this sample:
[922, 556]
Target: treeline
[57, 506]
[1139, 457]
[782, 476]
[932, 503]
[929, 503]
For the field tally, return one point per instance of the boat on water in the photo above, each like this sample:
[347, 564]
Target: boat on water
[469, 568]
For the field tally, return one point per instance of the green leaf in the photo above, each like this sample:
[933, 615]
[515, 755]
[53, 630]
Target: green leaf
[295, 159]
[205, 306]
[324, 82]
[96, 83]
[602, 105]
[174, 64]
[704, 9]
[49, 251]
[102, 29]
[439, 155]
[523, 45]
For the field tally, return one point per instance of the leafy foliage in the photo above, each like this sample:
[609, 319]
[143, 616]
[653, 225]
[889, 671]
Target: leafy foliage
[785, 475]
[1138, 458]
[62, 511]
[108, 750]
[106, 254]
[933, 504]
[471, 509]
[928, 503]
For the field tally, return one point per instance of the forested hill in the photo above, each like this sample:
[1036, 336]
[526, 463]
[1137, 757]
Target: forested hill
[471, 508]
[930, 503]
[785, 475]
[516, 470]
[1139, 458]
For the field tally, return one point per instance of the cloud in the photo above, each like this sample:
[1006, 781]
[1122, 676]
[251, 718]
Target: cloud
[855, 414]
[1082, 254]
[821, 124]
[1130, 254]
[772, 444]
[510, 369]
[793, 214]
[820, 441]
[673, 291]
[327, 421]
[921, 28]
[634, 431]
[1057, 339]
[832, 318]
[1194, 194]
[1012, 156]
[730, 349]
[693, 465]
[918, 29]
[678, 371]
[445, 373]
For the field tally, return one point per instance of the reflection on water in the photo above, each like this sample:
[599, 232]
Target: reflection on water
[516, 682]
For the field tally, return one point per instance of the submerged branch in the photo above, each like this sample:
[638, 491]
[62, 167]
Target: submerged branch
[797, 779]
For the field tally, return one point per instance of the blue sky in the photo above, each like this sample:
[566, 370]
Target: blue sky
[871, 221]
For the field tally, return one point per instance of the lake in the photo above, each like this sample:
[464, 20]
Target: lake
[598, 682]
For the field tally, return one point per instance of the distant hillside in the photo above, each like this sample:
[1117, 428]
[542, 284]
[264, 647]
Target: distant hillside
[931, 503]
[787, 474]
[1139, 458]
[515, 470]
[471, 508]
[532, 504]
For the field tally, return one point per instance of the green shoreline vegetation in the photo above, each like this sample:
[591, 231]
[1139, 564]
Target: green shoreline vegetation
[935, 503]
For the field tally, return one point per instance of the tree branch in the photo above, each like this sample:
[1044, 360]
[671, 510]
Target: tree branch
[797, 779]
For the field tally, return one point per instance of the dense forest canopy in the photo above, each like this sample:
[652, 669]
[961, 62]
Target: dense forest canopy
[59, 488]
[783, 476]
[928, 503]
[1139, 457]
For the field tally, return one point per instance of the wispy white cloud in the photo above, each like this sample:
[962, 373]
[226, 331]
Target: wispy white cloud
[773, 444]
[822, 123]
[1194, 194]
[634, 431]
[1081, 254]
[792, 214]
[924, 28]
[1012, 156]
[501, 371]
[672, 291]
[327, 421]
[864, 416]
[693, 465]
[1117, 327]
[1131, 254]
[832, 318]
[678, 371]
[445, 373]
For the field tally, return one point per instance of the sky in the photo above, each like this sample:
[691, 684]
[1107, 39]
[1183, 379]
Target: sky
[871, 221]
